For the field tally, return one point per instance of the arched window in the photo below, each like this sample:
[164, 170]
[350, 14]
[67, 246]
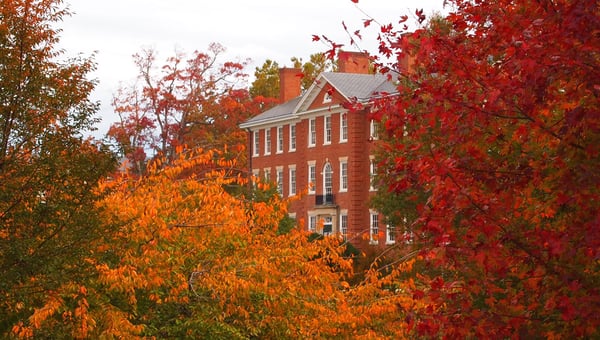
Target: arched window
[328, 182]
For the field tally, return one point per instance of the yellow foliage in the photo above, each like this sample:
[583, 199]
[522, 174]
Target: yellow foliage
[185, 241]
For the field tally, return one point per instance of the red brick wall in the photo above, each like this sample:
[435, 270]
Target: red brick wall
[357, 149]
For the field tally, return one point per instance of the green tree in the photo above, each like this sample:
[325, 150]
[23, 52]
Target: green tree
[48, 170]
[317, 64]
[266, 82]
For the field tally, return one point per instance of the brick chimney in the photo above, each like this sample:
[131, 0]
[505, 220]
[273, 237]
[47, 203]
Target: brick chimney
[353, 62]
[290, 80]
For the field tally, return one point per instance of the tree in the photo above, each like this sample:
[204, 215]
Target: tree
[48, 170]
[311, 69]
[193, 261]
[160, 112]
[266, 81]
[490, 145]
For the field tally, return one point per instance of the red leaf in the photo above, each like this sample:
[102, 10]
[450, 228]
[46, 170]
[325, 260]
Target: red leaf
[315, 38]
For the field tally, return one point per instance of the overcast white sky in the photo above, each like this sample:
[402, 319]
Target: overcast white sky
[258, 29]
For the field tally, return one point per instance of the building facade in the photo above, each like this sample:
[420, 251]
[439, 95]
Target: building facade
[313, 148]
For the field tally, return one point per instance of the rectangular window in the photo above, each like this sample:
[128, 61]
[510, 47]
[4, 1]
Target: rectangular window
[292, 180]
[374, 226]
[374, 129]
[312, 177]
[344, 225]
[312, 223]
[292, 137]
[372, 173]
[279, 139]
[256, 136]
[279, 179]
[312, 132]
[327, 130]
[391, 234]
[343, 127]
[267, 141]
[343, 175]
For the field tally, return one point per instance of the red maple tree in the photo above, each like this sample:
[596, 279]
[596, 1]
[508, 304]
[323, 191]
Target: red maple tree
[492, 144]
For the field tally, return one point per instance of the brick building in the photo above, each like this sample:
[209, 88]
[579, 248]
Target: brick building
[311, 141]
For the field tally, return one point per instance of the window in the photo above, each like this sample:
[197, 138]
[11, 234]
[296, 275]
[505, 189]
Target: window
[267, 174]
[343, 174]
[372, 172]
[312, 223]
[374, 226]
[344, 224]
[292, 180]
[256, 136]
[312, 132]
[391, 234]
[267, 141]
[327, 182]
[327, 97]
[312, 177]
[292, 137]
[327, 130]
[343, 127]
[279, 178]
[327, 225]
[279, 139]
[374, 129]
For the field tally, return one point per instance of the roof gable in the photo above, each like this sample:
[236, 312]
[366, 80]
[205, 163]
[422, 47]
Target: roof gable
[350, 86]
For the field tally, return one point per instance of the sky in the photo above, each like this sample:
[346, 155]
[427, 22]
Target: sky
[257, 30]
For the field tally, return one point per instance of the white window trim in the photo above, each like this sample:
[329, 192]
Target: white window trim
[343, 212]
[343, 117]
[267, 141]
[373, 130]
[279, 139]
[279, 179]
[312, 189]
[325, 178]
[389, 231]
[292, 137]
[373, 240]
[309, 226]
[372, 173]
[293, 180]
[327, 141]
[256, 143]
[267, 174]
[312, 130]
[343, 160]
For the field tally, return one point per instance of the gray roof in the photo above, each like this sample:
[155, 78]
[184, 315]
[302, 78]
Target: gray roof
[273, 114]
[360, 86]
[351, 85]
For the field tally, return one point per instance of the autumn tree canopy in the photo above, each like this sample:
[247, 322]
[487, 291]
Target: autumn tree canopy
[48, 171]
[180, 103]
[490, 158]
